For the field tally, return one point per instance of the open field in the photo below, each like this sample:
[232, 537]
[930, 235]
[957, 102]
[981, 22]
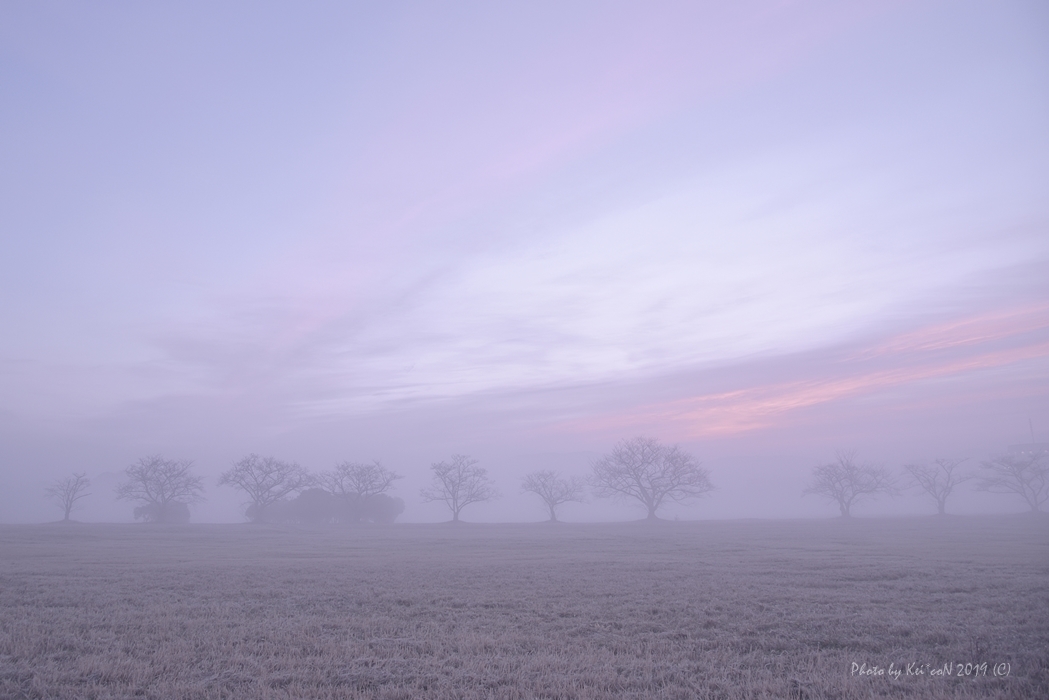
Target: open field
[669, 610]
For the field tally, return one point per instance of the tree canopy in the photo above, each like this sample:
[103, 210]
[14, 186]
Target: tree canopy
[648, 471]
[847, 481]
[165, 487]
[265, 480]
[68, 490]
[1024, 474]
[359, 479]
[459, 483]
[553, 489]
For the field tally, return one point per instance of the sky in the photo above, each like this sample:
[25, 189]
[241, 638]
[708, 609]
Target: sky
[765, 231]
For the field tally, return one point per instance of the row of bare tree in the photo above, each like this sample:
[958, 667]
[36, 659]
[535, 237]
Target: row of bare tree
[639, 469]
[847, 481]
[277, 491]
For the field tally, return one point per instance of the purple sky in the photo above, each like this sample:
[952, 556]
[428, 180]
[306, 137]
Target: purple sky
[765, 230]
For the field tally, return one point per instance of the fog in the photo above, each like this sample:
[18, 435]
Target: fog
[764, 233]
[758, 471]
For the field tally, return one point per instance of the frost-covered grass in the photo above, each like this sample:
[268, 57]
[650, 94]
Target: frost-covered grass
[778, 609]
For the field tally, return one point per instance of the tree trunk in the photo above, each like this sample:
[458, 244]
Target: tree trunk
[844, 510]
[942, 506]
[652, 513]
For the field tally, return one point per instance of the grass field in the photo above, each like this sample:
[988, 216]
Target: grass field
[779, 609]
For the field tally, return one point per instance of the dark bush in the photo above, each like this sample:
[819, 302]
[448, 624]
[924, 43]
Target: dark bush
[318, 507]
[170, 512]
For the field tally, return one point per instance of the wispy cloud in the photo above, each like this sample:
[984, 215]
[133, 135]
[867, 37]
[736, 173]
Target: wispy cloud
[989, 327]
[961, 349]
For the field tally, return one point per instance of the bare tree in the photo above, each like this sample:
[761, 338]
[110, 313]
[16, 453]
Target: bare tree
[266, 480]
[361, 492]
[553, 489]
[459, 483]
[165, 487]
[847, 481]
[356, 481]
[937, 479]
[644, 469]
[66, 492]
[1025, 474]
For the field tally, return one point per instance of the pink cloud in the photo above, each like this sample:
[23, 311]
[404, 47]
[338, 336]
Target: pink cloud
[909, 361]
[989, 327]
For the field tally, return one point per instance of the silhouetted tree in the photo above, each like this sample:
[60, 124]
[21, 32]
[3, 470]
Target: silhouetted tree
[356, 480]
[67, 491]
[1025, 474]
[937, 479]
[316, 506]
[459, 483]
[165, 487]
[650, 472]
[175, 512]
[377, 508]
[553, 489]
[362, 489]
[266, 480]
[847, 481]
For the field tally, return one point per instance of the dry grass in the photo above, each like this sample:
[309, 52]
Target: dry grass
[672, 610]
